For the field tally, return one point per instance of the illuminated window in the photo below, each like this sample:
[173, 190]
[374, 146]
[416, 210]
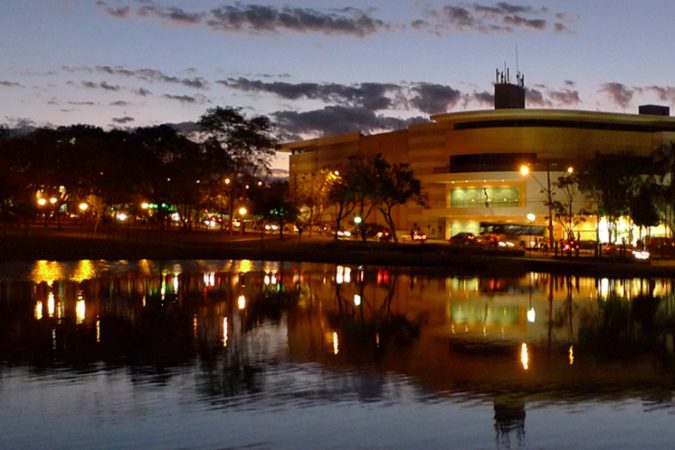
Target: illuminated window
[478, 197]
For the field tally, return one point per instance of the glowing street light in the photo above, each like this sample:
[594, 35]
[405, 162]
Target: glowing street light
[358, 220]
[525, 171]
[53, 200]
[83, 206]
[242, 211]
[42, 201]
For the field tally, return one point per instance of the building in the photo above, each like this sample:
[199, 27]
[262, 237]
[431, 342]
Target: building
[469, 162]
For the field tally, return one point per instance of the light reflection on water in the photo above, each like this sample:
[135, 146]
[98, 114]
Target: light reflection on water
[285, 355]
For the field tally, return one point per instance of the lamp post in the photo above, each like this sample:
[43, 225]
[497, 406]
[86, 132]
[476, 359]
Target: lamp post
[242, 213]
[228, 188]
[525, 171]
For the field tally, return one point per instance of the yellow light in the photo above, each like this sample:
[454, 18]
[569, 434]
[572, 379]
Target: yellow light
[224, 331]
[53, 200]
[38, 310]
[98, 330]
[531, 217]
[524, 356]
[242, 211]
[41, 201]
[241, 302]
[50, 304]
[122, 217]
[145, 205]
[357, 300]
[83, 206]
[531, 315]
[570, 169]
[336, 344]
[227, 181]
[84, 270]
[570, 355]
[524, 170]
[80, 311]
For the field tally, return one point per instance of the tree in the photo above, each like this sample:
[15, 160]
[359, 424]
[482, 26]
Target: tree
[235, 143]
[643, 209]
[610, 180]
[568, 186]
[273, 205]
[394, 185]
[311, 195]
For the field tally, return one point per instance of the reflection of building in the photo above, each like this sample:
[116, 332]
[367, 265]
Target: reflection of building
[468, 161]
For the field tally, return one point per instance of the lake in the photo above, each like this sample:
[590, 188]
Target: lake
[267, 355]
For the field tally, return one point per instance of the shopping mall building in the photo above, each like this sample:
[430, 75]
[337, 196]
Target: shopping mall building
[468, 162]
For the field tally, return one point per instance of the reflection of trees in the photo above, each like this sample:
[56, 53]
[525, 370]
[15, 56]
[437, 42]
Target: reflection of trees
[624, 328]
[509, 419]
[369, 325]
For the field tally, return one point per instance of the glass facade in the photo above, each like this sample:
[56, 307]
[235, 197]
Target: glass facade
[481, 197]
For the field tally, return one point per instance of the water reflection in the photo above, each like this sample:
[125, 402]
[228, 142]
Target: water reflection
[301, 334]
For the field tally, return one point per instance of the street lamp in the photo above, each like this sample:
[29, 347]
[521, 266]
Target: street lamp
[242, 212]
[525, 171]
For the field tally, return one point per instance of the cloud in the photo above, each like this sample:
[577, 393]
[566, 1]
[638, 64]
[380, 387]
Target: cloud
[173, 14]
[181, 98]
[119, 103]
[5, 83]
[336, 120]
[368, 95]
[260, 19]
[119, 12]
[143, 92]
[566, 97]
[536, 97]
[434, 98]
[123, 120]
[82, 103]
[501, 17]
[145, 74]
[102, 85]
[663, 93]
[618, 93]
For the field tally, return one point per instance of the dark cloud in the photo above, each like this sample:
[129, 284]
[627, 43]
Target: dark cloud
[501, 17]
[11, 84]
[434, 98]
[102, 85]
[536, 97]
[663, 93]
[368, 95]
[123, 120]
[336, 120]
[266, 19]
[570, 83]
[483, 98]
[82, 103]
[173, 14]
[119, 103]
[503, 8]
[153, 75]
[618, 93]
[565, 97]
[143, 92]
[145, 74]
[181, 98]
[518, 21]
[258, 19]
[120, 12]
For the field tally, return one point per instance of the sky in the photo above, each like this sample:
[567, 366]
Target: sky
[317, 67]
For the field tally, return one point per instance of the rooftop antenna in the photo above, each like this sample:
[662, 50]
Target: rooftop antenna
[517, 66]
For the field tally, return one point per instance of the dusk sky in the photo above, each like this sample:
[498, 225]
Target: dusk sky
[324, 67]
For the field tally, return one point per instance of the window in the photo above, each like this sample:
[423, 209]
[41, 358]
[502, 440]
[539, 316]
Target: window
[482, 197]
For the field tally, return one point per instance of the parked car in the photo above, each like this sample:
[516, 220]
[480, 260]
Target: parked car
[464, 239]
[416, 236]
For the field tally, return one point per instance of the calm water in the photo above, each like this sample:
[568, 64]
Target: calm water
[222, 354]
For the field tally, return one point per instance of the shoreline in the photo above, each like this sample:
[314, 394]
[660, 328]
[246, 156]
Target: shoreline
[31, 244]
